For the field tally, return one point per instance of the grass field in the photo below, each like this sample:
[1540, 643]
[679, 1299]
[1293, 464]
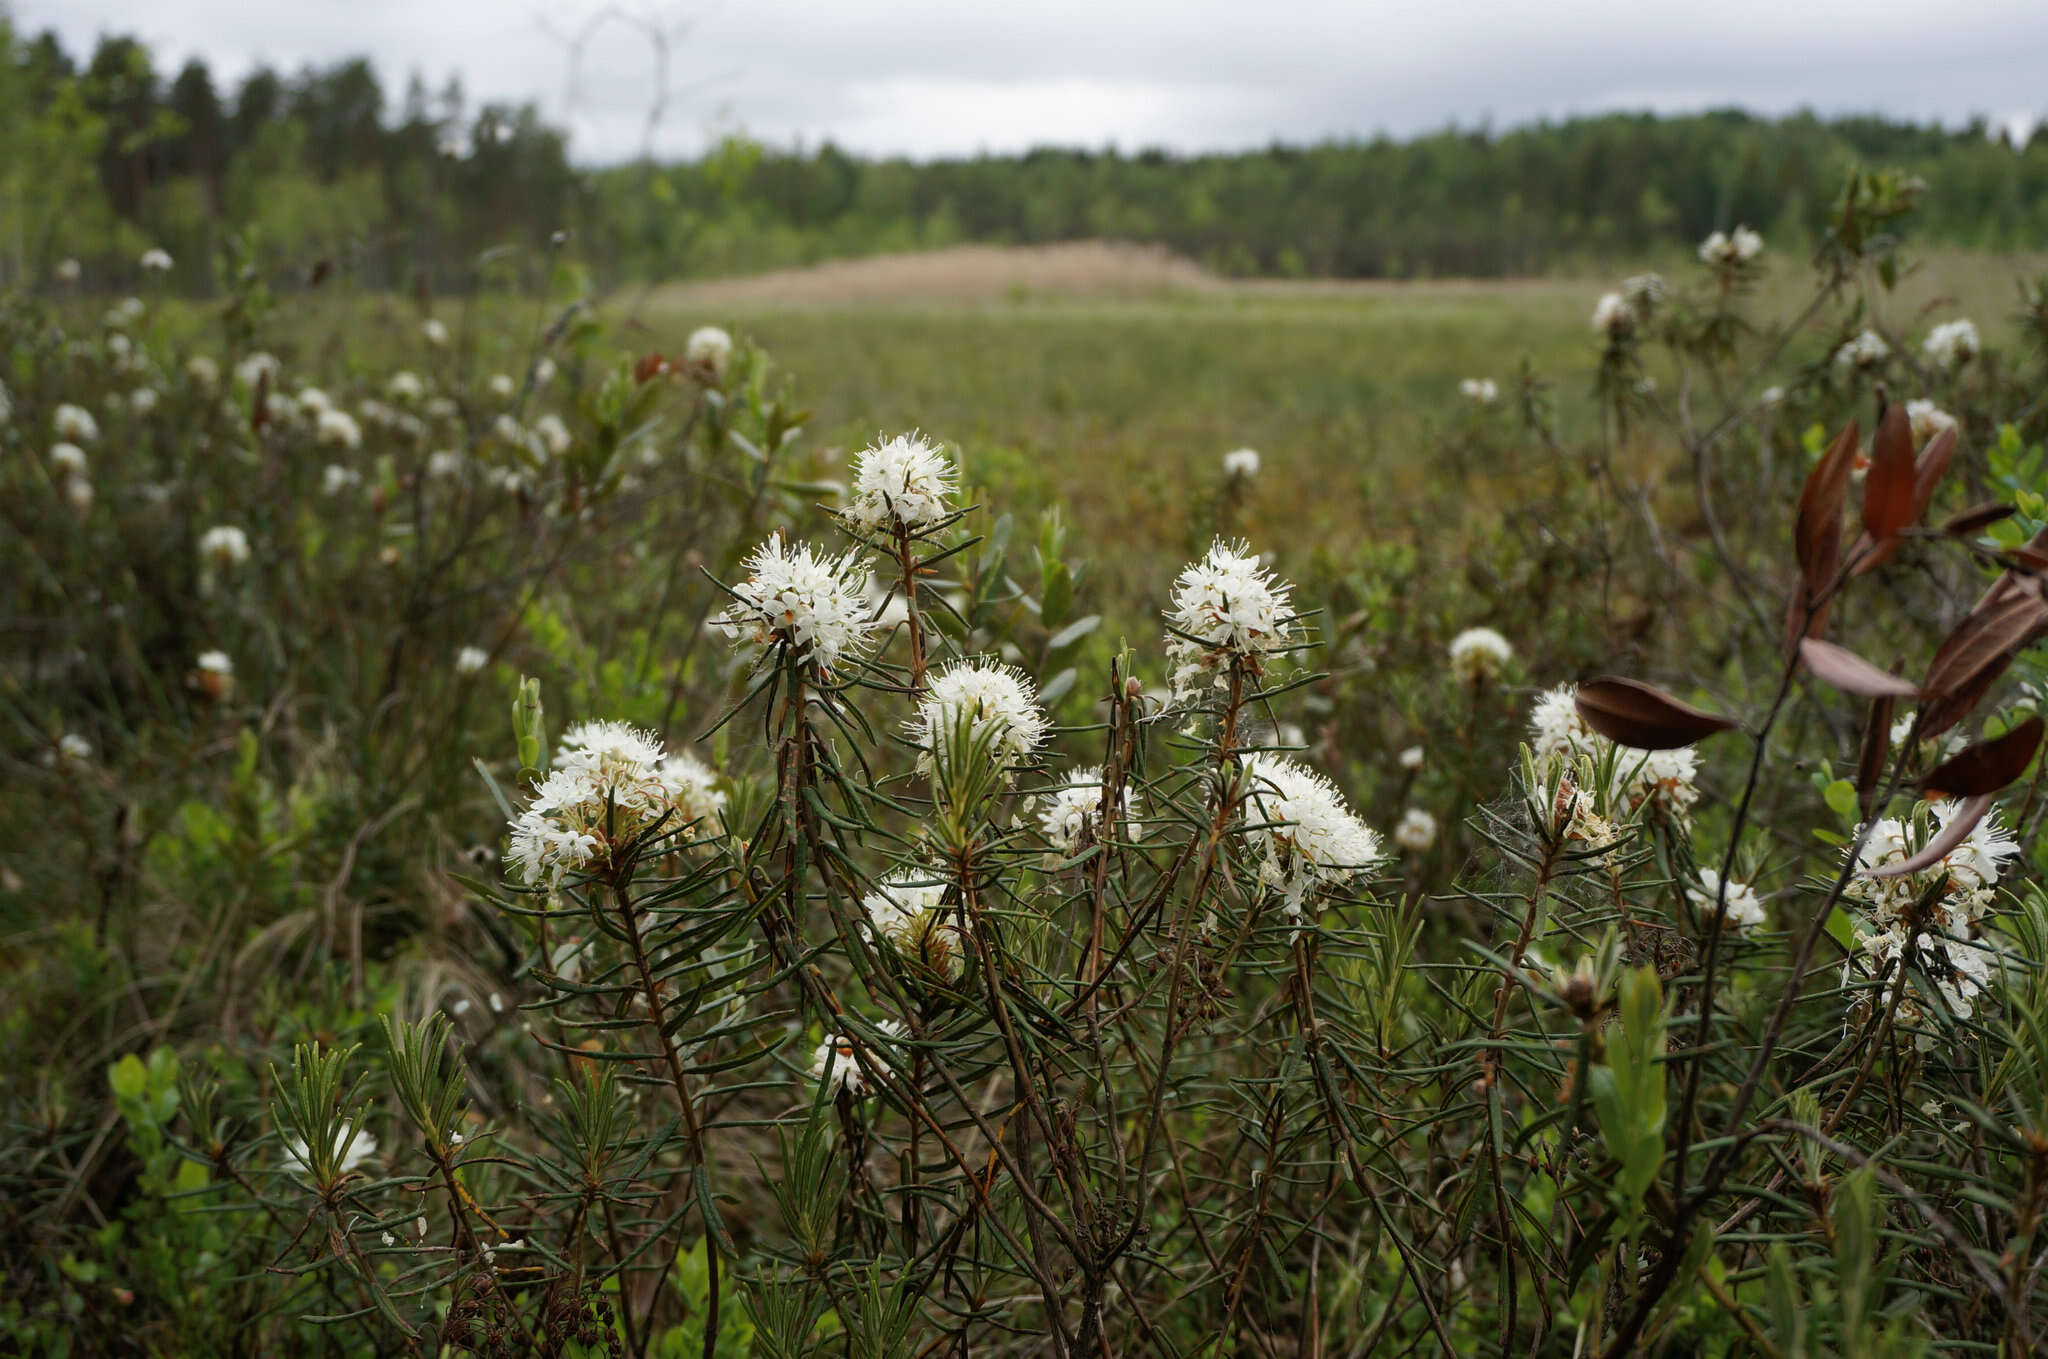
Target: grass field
[1113, 380]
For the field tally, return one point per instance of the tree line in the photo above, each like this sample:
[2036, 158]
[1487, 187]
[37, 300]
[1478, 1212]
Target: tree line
[107, 155]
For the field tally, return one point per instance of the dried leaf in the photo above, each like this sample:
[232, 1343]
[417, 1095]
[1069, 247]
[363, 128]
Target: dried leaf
[1939, 848]
[1968, 522]
[1870, 760]
[1845, 670]
[1889, 486]
[1641, 717]
[1817, 537]
[1930, 469]
[1987, 766]
[2011, 616]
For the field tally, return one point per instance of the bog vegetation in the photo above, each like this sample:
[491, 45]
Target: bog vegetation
[519, 847]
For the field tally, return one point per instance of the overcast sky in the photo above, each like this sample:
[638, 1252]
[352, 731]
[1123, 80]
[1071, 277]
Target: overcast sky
[930, 77]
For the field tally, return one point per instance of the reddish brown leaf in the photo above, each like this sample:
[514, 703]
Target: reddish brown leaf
[650, 367]
[1968, 522]
[1633, 714]
[1849, 672]
[259, 403]
[1817, 537]
[1987, 766]
[1954, 833]
[1931, 468]
[2010, 617]
[1817, 534]
[1870, 760]
[1888, 488]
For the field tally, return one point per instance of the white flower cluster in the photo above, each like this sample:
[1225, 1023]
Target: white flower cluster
[1484, 391]
[1306, 836]
[1241, 463]
[835, 1066]
[224, 545]
[1731, 250]
[998, 702]
[1744, 908]
[1479, 655]
[1415, 832]
[815, 606]
[709, 347]
[336, 479]
[1226, 607]
[1643, 292]
[1068, 814]
[256, 367]
[156, 260]
[1867, 350]
[74, 424]
[1951, 344]
[1951, 948]
[1927, 420]
[905, 484]
[906, 911]
[610, 785]
[361, 1149]
[471, 659]
[1613, 317]
[1662, 779]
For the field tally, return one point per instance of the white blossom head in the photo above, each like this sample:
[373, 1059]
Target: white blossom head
[501, 387]
[1305, 835]
[142, 400]
[1226, 607]
[553, 435]
[68, 460]
[994, 702]
[78, 490]
[905, 484]
[68, 270]
[1771, 396]
[606, 793]
[1412, 758]
[203, 371]
[1744, 908]
[1479, 655]
[337, 479]
[1481, 391]
[1068, 816]
[224, 546]
[213, 674]
[1951, 344]
[156, 260]
[708, 347]
[1415, 832]
[1865, 350]
[351, 1147]
[74, 424]
[1663, 781]
[314, 400]
[445, 464]
[906, 910]
[256, 368]
[1241, 463]
[405, 385]
[1613, 317]
[802, 602]
[1927, 420]
[471, 659]
[1731, 250]
[1966, 876]
[434, 332]
[693, 786]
